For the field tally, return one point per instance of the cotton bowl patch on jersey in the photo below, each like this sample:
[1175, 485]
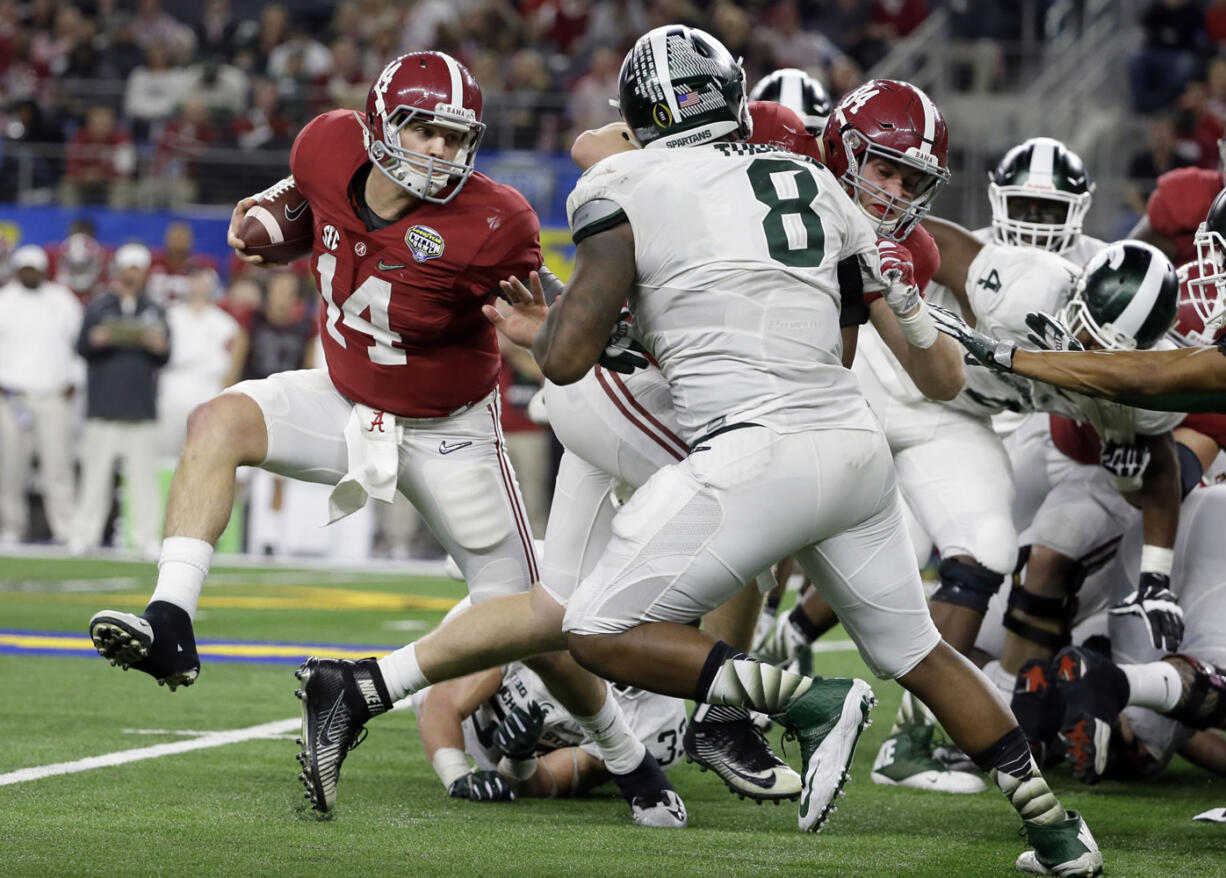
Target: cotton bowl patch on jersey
[424, 242]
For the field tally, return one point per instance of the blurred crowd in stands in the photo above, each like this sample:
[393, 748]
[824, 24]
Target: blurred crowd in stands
[169, 83]
[1177, 82]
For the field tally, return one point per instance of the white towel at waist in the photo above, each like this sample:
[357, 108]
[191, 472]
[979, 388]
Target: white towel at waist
[372, 440]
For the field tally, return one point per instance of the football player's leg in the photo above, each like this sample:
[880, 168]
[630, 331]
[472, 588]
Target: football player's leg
[960, 487]
[882, 606]
[685, 543]
[290, 423]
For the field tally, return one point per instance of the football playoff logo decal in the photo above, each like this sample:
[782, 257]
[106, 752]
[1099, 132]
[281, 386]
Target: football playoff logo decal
[662, 115]
[424, 243]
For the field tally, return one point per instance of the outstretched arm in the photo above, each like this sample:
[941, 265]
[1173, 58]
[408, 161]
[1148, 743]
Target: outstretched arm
[1189, 379]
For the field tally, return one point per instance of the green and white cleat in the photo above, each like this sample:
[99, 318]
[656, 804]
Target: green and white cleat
[1066, 848]
[827, 720]
[906, 760]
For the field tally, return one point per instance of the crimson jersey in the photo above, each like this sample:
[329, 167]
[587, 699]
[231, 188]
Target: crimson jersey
[777, 125]
[1180, 204]
[402, 329]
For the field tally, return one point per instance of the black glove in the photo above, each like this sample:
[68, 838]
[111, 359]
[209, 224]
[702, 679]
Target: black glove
[982, 349]
[1124, 460]
[1049, 334]
[621, 352]
[516, 736]
[1155, 604]
[482, 786]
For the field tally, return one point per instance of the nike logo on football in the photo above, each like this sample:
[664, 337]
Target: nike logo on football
[446, 447]
[384, 266]
[292, 214]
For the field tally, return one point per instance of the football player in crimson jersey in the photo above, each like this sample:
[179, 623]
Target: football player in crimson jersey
[1176, 208]
[410, 243]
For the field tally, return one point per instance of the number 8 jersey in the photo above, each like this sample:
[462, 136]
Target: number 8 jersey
[737, 293]
[402, 326]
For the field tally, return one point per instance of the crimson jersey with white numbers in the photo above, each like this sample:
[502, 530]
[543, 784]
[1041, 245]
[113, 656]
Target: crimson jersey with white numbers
[402, 327]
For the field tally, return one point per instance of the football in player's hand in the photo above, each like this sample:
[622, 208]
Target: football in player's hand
[280, 226]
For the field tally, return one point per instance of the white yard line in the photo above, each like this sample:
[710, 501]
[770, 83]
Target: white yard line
[212, 739]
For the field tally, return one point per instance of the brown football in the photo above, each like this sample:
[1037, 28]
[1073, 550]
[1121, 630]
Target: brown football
[280, 226]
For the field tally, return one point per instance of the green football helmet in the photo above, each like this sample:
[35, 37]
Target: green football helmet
[679, 86]
[1125, 298]
[1040, 195]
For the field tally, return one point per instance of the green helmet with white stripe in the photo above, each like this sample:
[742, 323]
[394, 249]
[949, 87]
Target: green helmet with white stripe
[1126, 297]
[1040, 194]
[679, 86]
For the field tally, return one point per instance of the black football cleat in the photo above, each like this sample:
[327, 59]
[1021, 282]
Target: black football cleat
[338, 697]
[653, 800]
[158, 642]
[1095, 691]
[738, 753]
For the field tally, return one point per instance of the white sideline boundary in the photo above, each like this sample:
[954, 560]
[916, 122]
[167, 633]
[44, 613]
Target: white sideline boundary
[122, 757]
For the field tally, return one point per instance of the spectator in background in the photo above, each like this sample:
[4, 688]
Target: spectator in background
[1196, 129]
[100, 163]
[123, 54]
[52, 48]
[153, 90]
[27, 131]
[80, 262]
[125, 341]
[522, 115]
[244, 295]
[1215, 80]
[301, 55]
[1215, 24]
[23, 78]
[276, 337]
[618, 23]
[793, 45]
[169, 279]
[346, 83]
[274, 30]
[217, 31]
[219, 86]
[39, 369]
[200, 362]
[589, 99]
[527, 442]
[1146, 166]
[264, 125]
[151, 26]
[176, 160]
[1168, 57]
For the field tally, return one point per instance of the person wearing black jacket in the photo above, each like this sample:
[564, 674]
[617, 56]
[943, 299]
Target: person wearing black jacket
[125, 341]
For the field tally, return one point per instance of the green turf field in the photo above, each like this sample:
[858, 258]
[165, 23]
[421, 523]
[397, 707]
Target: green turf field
[238, 809]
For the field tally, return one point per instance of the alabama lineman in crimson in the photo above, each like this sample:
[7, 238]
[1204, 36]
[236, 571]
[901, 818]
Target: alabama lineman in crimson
[409, 243]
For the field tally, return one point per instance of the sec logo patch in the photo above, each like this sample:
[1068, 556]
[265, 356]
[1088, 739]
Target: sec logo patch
[424, 243]
[330, 237]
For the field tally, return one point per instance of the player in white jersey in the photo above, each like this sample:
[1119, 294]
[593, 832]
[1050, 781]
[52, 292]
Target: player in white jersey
[521, 741]
[619, 429]
[954, 472]
[1130, 717]
[741, 310]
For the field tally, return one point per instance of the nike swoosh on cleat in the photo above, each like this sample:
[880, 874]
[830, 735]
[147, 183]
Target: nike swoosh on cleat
[294, 213]
[325, 739]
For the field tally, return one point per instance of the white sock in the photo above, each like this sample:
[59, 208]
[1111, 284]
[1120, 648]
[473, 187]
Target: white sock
[1156, 685]
[401, 673]
[1001, 679]
[182, 567]
[621, 751]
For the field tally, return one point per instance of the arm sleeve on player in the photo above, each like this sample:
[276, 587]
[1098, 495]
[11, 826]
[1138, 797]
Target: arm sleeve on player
[854, 303]
[595, 216]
